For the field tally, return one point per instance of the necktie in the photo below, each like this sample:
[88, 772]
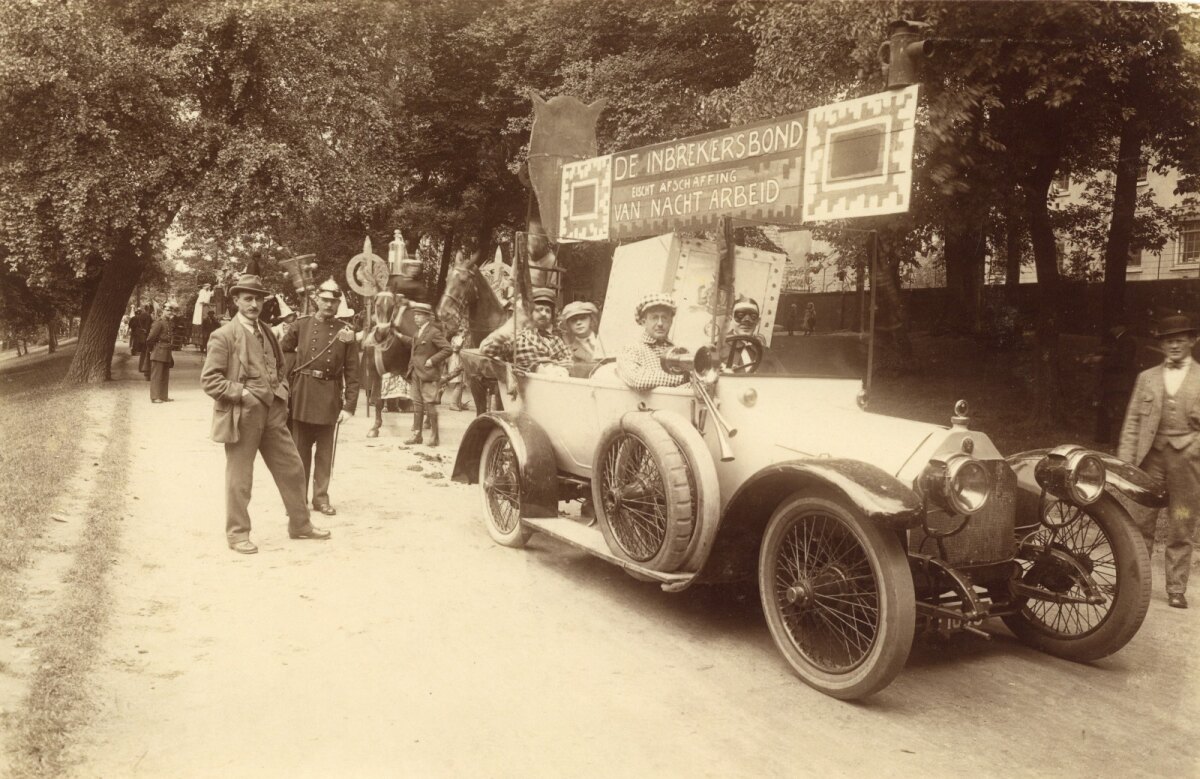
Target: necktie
[1174, 365]
[258, 334]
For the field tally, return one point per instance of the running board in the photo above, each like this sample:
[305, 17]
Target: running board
[591, 540]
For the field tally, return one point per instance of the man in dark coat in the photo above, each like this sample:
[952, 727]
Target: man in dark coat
[429, 350]
[1162, 436]
[324, 387]
[139, 328]
[158, 345]
[243, 374]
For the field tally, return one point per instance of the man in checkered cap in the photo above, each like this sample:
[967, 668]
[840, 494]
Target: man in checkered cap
[639, 364]
[538, 348]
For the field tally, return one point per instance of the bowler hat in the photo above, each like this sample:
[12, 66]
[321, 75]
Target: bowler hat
[1174, 325]
[423, 308]
[248, 282]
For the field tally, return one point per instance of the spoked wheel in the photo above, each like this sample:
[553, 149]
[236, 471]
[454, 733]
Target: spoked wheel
[642, 493]
[500, 480]
[838, 596]
[1101, 541]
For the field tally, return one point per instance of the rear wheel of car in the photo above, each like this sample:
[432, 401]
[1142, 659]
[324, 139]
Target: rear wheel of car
[838, 596]
[500, 487]
[1102, 540]
[642, 493]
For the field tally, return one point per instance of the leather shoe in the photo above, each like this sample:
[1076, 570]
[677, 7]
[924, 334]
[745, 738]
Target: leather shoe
[1176, 600]
[325, 508]
[244, 547]
[312, 534]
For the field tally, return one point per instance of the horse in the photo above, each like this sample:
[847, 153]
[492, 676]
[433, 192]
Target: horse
[384, 351]
[564, 129]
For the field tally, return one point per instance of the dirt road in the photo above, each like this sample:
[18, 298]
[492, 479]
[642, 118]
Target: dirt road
[411, 645]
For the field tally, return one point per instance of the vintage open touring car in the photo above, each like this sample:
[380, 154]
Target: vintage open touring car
[858, 527]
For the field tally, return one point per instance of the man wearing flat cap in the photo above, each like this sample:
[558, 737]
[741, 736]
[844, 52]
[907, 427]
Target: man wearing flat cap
[538, 348]
[429, 350]
[324, 387]
[1162, 435]
[580, 321]
[639, 365]
[243, 373]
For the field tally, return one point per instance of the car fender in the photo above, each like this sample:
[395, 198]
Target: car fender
[875, 493]
[1120, 478]
[535, 457]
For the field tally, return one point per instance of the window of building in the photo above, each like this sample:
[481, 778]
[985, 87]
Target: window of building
[1135, 258]
[1061, 184]
[1143, 173]
[1189, 243]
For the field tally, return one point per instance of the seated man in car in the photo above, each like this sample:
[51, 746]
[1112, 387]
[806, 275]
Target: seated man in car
[539, 349]
[638, 364]
[739, 355]
[580, 320]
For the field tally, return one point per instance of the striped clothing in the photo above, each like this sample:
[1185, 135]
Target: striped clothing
[639, 365]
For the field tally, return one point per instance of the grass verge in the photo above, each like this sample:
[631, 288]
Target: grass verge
[58, 703]
[38, 455]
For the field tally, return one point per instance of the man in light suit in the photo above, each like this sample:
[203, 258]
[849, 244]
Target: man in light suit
[244, 374]
[429, 350]
[1161, 434]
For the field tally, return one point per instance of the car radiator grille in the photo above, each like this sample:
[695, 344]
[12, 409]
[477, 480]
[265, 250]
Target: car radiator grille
[989, 535]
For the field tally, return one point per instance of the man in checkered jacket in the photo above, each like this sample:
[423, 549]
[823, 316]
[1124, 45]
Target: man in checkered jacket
[538, 348]
[638, 364]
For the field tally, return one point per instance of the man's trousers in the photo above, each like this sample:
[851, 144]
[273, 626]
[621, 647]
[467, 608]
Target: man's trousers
[160, 379]
[307, 436]
[1180, 469]
[263, 430]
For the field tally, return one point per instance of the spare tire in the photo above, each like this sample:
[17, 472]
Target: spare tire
[642, 492]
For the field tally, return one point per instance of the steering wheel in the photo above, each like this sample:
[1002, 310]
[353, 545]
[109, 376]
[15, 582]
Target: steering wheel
[751, 344]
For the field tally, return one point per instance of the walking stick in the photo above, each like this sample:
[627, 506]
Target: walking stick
[337, 428]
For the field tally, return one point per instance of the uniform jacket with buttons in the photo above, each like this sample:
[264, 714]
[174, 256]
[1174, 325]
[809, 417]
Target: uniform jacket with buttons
[326, 378]
[222, 375]
[159, 341]
[1146, 410]
[429, 344]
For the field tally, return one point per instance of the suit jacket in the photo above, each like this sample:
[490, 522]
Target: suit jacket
[428, 345]
[1145, 410]
[158, 342]
[318, 346]
[222, 373]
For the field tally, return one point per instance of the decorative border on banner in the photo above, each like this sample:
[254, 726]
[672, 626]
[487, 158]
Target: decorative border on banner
[591, 178]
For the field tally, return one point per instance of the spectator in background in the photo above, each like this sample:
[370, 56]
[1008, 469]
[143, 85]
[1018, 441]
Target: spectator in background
[158, 344]
[793, 318]
[810, 319]
[1161, 435]
[139, 328]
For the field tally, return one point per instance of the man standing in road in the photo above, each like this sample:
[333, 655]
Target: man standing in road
[639, 365]
[1162, 435]
[538, 348]
[324, 387]
[158, 345]
[429, 350]
[243, 374]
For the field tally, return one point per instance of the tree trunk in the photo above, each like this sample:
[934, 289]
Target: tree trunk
[1120, 230]
[887, 266]
[965, 250]
[1047, 359]
[98, 333]
[51, 335]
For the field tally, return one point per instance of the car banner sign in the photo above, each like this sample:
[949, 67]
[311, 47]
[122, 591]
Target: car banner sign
[849, 159]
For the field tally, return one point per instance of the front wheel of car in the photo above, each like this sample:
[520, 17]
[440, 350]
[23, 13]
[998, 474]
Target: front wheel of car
[500, 488]
[1102, 541]
[838, 596]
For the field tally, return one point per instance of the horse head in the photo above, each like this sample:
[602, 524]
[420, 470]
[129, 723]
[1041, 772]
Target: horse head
[564, 130]
[461, 291]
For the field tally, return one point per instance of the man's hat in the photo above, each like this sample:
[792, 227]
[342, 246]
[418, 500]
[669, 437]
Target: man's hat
[248, 282]
[654, 300]
[329, 289]
[423, 308]
[578, 308]
[543, 295]
[745, 304]
[1174, 325]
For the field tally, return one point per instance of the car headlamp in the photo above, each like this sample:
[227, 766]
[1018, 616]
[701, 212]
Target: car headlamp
[1073, 474]
[960, 484]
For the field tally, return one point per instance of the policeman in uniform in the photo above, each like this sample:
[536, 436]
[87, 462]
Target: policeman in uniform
[324, 387]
